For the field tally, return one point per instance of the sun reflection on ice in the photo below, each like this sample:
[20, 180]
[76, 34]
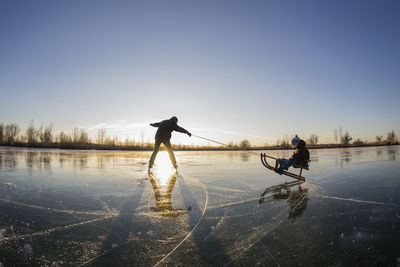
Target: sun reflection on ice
[163, 168]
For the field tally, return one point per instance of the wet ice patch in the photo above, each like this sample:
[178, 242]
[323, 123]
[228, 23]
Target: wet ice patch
[10, 185]
[150, 233]
[2, 232]
[27, 249]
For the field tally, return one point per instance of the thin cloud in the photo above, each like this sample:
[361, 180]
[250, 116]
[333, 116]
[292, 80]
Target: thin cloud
[120, 125]
[231, 133]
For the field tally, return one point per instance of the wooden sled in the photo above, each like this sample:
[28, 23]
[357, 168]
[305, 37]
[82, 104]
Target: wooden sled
[290, 174]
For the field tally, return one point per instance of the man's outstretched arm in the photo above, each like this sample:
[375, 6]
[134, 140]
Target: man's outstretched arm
[156, 124]
[182, 130]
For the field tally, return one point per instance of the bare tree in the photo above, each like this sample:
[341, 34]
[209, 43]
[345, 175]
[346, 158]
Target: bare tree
[83, 137]
[313, 139]
[11, 132]
[127, 142]
[108, 141]
[358, 141]
[379, 138]
[48, 134]
[346, 139]
[244, 144]
[1, 132]
[116, 140]
[64, 138]
[75, 135]
[338, 134]
[284, 142]
[101, 134]
[335, 133]
[391, 137]
[32, 134]
[41, 134]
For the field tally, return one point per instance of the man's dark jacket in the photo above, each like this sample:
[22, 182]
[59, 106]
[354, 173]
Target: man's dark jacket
[165, 128]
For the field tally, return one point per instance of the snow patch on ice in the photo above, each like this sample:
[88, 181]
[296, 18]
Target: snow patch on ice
[2, 231]
[150, 232]
[27, 249]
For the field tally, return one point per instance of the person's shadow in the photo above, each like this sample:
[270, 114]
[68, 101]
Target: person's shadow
[297, 199]
[162, 194]
[124, 224]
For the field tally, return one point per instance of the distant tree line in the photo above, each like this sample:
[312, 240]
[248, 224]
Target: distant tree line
[9, 133]
[44, 136]
[345, 139]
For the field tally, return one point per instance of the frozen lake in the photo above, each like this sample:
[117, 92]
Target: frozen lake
[98, 208]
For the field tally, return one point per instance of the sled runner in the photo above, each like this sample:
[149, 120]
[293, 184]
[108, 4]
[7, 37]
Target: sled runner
[290, 174]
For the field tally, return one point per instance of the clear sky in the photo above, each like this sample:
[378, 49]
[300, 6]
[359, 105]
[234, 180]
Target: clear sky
[228, 69]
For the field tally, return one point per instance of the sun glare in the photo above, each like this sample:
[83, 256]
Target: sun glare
[163, 168]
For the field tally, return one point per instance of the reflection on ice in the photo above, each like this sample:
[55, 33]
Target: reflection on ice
[162, 188]
[163, 169]
[292, 193]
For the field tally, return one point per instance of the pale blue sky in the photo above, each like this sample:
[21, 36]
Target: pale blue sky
[228, 69]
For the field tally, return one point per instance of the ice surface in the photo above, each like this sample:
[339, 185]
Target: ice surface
[221, 208]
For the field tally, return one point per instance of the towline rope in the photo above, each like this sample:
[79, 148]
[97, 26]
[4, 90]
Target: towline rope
[244, 150]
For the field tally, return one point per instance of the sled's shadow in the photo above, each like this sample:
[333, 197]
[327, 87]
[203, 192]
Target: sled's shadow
[294, 194]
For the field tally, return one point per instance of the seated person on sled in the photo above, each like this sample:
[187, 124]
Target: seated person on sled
[299, 159]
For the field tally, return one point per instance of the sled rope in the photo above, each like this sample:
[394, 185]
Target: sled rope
[241, 149]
